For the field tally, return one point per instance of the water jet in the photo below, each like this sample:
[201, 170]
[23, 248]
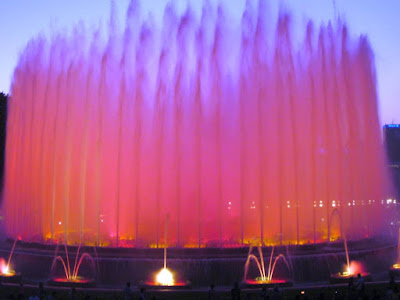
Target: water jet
[165, 277]
[266, 278]
[232, 135]
[7, 274]
[105, 137]
[352, 268]
[70, 276]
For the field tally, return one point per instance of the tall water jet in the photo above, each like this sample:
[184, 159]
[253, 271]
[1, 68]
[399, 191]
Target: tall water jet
[165, 277]
[352, 268]
[7, 274]
[232, 135]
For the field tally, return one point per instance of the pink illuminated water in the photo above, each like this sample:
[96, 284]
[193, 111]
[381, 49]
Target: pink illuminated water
[232, 133]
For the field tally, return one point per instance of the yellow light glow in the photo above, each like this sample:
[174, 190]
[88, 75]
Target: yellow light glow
[347, 272]
[165, 277]
[5, 269]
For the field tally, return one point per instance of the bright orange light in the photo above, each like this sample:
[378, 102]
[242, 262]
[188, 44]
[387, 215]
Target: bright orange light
[347, 272]
[5, 269]
[165, 277]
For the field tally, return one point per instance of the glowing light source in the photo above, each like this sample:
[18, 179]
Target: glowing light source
[5, 269]
[165, 277]
[348, 271]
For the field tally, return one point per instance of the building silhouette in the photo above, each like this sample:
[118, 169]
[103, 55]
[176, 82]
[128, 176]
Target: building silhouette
[391, 136]
[3, 124]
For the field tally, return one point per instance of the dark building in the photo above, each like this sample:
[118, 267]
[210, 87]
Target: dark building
[391, 136]
[3, 122]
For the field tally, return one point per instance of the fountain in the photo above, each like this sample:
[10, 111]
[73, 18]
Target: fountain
[7, 274]
[266, 278]
[165, 278]
[234, 129]
[71, 276]
[234, 135]
[352, 268]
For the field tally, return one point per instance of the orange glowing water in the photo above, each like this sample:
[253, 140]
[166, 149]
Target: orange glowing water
[233, 133]
[71, 271]
[266, 276]
[5, 268]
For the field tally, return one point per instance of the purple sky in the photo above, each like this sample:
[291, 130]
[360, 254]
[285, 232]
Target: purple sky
[379, 20]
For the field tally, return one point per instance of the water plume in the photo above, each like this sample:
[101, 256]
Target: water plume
[233, 134]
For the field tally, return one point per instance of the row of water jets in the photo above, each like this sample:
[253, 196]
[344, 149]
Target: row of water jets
[71, 273]
[164, 277]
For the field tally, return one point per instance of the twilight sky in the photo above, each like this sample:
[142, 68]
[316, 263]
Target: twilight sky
[380, 20]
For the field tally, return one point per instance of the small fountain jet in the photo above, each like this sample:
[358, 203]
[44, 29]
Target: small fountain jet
[6, 273]
[165, 277]
[71, 274]
[352, 268]
[265, 278]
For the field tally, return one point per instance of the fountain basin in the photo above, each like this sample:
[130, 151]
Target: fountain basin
[77, 282]
[152, 285]
[342, 277]
[258, 283]
[10, 277]
[311, 263]
[395, 269]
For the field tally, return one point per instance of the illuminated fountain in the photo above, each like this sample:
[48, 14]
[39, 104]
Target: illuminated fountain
[396, 267]
[233, 135]
[352, 268]
[165, 277]
[7, 274]
[265, 278]
[71, 276]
